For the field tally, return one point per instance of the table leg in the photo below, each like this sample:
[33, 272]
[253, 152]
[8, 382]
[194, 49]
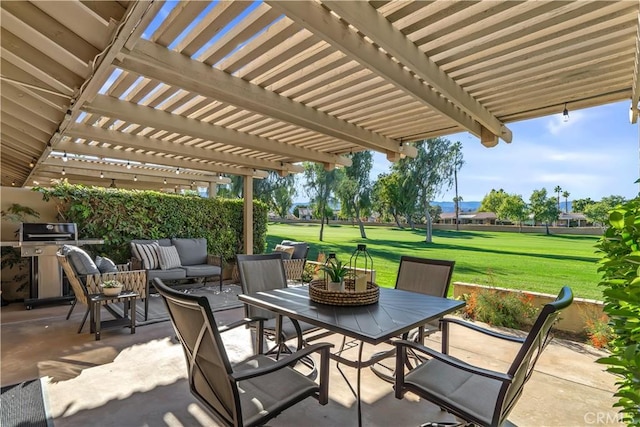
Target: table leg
[358, 384]
[133, 315]
[97, 307]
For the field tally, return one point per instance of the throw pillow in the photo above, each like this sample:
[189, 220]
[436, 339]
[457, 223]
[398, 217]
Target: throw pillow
[148, 254]
[287, 251]
[169, 258]
[105, 265]
[80, 260]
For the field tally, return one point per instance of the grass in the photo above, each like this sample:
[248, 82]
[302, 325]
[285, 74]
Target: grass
[532, 262]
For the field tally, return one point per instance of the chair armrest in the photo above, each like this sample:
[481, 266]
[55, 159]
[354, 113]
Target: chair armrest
[215, 260]
[482, 330]
[322, 348]
[445, 358]
[133, 280]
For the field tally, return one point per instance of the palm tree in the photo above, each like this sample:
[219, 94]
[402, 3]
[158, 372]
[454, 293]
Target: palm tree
[456, 203]
[566, 201]
[458, 162]
[558, 190]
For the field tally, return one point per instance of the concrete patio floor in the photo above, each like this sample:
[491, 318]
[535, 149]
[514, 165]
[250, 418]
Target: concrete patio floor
[140, 379]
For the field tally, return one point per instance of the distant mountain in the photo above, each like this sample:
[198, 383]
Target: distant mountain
[464, 206]
[446, 206]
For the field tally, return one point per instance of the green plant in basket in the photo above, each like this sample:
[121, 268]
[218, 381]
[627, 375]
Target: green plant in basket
[336, 270]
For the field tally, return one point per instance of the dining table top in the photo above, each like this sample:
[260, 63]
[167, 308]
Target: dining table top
[397, 311]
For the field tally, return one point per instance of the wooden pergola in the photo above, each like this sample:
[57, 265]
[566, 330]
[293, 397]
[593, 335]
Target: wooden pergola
[134, 91]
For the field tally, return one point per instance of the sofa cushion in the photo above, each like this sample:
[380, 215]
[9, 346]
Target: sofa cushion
[80, 260]
[161, 242]
[148, 254]
[168, 257]
[172, 274]
[300, 250]
[202, 270]
[191, 251]
[106, 265]
[286, 251]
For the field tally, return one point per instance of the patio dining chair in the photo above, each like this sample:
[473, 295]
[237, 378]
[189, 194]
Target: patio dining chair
[266, 272]
[425, 276]
[247, 393]
[473, 394]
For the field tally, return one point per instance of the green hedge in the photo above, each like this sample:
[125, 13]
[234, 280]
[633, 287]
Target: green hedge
[118, 216]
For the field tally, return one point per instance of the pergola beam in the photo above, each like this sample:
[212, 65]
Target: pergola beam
[147, 116]
[319, 21]
[135, 142]
[158, 62]
[635, 90]
[368, 21]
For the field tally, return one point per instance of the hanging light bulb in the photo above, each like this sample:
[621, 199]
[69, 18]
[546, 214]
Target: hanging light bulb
[65, 158]
[164, 180]
[135, 178]
[128, 165]
[13, 183]
[32, 163]
[64, 172]
[178, 171]
[565, 113]
[101, 174]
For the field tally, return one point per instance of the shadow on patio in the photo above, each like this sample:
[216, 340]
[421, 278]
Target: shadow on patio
[140, 379]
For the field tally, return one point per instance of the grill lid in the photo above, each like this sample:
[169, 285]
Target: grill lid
[48, 232]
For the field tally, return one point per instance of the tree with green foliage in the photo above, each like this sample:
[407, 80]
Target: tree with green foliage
[598, 212]
[513, 208]
[407, 187]
[321, 185]
[355, 191]
[621, 283]
[543, 208]
[579, 205]
[431, 173]
[457, 163]
[492, 201]
[558, 190]
[385, 197]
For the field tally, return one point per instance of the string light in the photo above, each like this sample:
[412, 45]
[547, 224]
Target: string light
[64, 172]
[32, 163]
[128, 165]
[165, 180]
[565, 113]
[13, 183]
[178, 171]
[65, 158]
[101, 174]
[135, 178]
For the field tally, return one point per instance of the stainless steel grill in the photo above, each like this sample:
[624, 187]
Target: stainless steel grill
[41, 241]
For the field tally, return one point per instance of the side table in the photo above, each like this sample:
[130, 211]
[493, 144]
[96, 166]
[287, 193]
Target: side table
[128, 298]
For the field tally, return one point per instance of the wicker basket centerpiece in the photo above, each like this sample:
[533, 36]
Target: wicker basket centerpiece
[318, 293]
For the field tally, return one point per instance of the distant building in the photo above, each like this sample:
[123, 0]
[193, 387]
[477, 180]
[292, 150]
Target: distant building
[486, 218]
[305, 213]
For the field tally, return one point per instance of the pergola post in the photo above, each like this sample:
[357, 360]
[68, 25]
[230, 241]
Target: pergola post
[213, 190]
[248, 214]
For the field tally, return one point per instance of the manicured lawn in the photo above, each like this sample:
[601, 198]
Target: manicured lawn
[533, 262]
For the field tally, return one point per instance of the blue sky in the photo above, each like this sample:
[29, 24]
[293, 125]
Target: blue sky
[594, 154]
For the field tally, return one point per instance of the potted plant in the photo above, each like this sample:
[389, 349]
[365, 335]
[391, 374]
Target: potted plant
[111, 288]
[335, 271]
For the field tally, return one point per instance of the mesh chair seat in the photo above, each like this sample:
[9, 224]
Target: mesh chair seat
[476, 395]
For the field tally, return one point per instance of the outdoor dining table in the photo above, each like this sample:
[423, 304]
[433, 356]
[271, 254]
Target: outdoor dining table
[395, 313]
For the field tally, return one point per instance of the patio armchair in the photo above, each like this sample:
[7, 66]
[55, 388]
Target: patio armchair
[473, 394]
[84, 286]
[266, 272]
[294, 258]
[248, 393]
[425, 276]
